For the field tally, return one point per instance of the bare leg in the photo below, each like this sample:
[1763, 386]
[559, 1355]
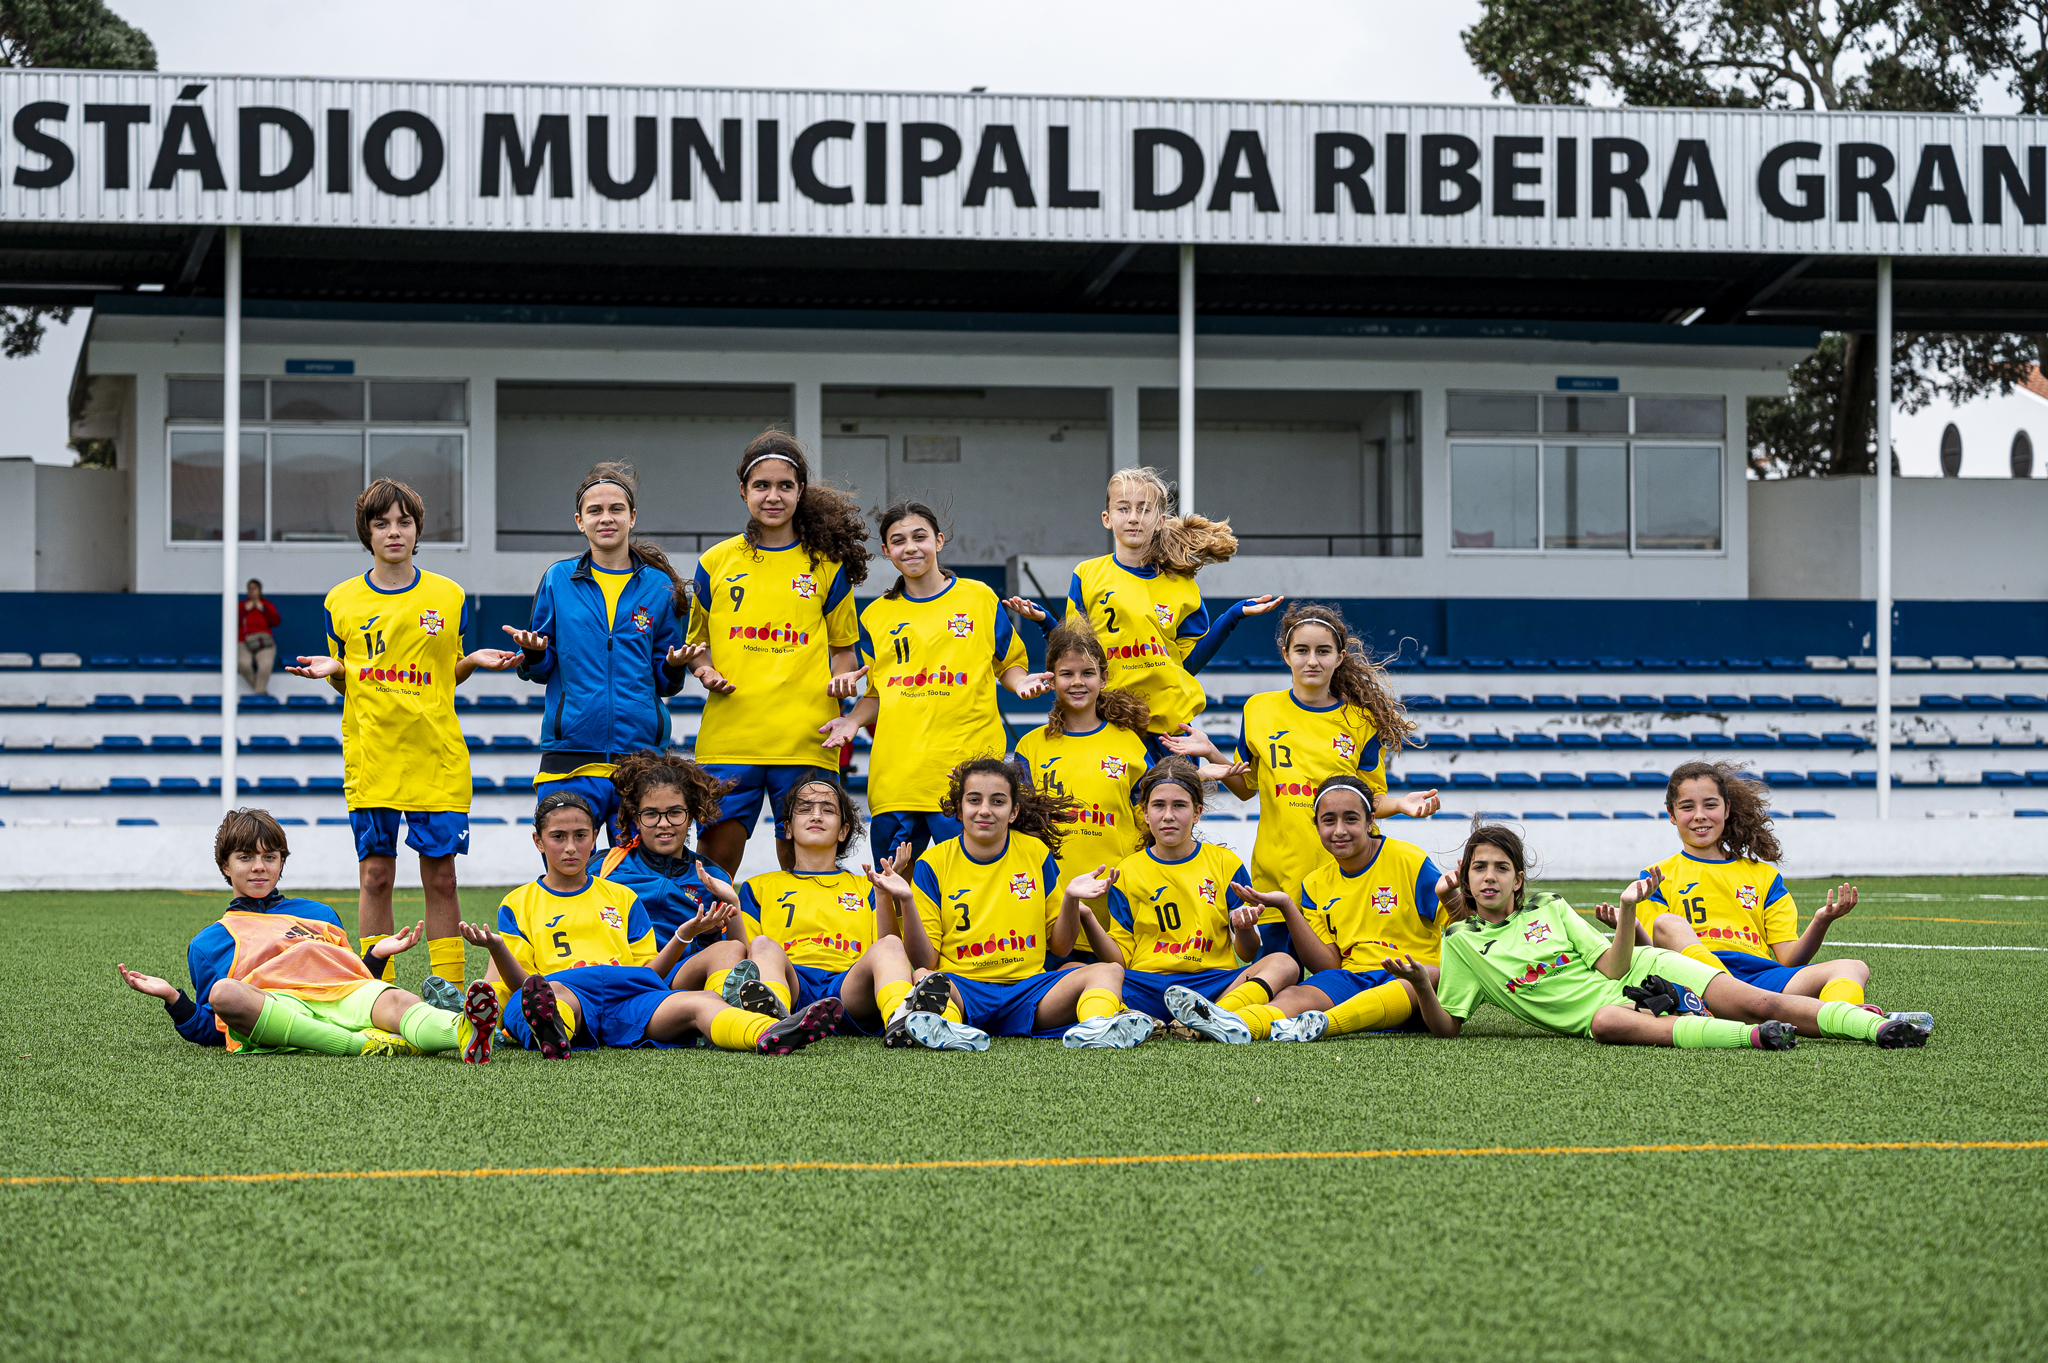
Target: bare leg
[374, 877]
[1812, 979]
[1300, 999]
[437, 878]
[881, 963]
[1276, 971]
[1729, 997]
[235, 1003]
[391, 1007]
[692, 973]
[768, 954]
[1056, 1009]
[1619, 1026]
[724, 843]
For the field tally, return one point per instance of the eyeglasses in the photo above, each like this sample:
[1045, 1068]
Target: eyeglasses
[659, 817]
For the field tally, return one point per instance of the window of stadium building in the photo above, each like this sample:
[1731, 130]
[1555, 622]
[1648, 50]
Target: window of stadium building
[1579, 473]
[309, 446]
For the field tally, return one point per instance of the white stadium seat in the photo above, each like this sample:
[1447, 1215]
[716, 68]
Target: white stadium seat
[67, 660]
[1991, 662]
[29, 784]
[24, 743]
[67, 702]
[16, 660]
[73, 743]
[1949, 662]
[81, 784]
[1824, 662]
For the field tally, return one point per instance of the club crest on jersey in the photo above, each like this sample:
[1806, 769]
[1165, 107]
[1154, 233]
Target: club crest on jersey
[962, 625]
[1346, 746]
[642, 621]
[1023, 886]
[1165, 614]
[804, 585]
[1114, 767]
[1747, 894]
[1538, 931]
[1384, 898]
[1207, 889]
[612, 917]
[432, 621]
[852, 902]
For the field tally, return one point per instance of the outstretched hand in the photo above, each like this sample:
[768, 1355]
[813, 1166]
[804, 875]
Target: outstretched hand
[477, 935]
[1093, 884]
[1419, 804]
[1259, 605]
[720, 890]
[316, 668]
[1642, 887]
[712, 680]
[1033, 685]
[846, 685]
[404, 939]
[1607, 914]
[527, 640]
[1221, 771]
[1030, 610]
[838, 732]
[148, 984]
[888, 878]
[1251, 894]
[495, 659]
[1840, 901]
[1191, 742]
[1406, 968]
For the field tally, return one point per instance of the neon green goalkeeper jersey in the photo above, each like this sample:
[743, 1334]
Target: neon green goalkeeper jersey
[1538, 965]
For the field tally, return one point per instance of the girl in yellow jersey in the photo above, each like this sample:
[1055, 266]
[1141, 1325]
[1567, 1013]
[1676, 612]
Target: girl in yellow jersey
[772, 634]
[990, 905]
[579, 952]
[1092, 749]
[1338, 718]
[1142, 600]
[1184, 914]
[1372, 898]
[934, 649]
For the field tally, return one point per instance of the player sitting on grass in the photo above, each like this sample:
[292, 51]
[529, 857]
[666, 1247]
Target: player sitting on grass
[1547, 966]
[277, 974]
[1721, 887]
[661, 796]
[990, 907]
[1372, 897]
[1173, 927]
[580, 954]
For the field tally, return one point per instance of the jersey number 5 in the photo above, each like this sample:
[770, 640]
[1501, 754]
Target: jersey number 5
[561, 944]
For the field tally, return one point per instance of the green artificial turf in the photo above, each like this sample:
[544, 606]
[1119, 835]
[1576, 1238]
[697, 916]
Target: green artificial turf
[1703, 1255]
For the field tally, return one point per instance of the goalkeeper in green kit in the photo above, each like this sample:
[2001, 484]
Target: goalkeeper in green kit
[1543, 963]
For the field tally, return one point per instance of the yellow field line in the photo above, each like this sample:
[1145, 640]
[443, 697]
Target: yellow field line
[1036, 1162]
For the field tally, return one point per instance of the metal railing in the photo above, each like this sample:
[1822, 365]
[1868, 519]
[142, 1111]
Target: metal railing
[697, 538]
[1385, 540]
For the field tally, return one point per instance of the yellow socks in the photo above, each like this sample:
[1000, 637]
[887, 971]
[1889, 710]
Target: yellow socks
[445, 955]
[779, 990]
[952, 1013]
[1260, 1017]
[1249, 991]
[430, 1028]
[736, 1029]
[888, 997]
[1841, 991]
[1370, 1010]
[1098, 1003]
[1703, 956]
[387, 969]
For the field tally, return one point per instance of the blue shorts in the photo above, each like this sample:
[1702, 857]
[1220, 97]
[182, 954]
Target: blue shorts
[614, 1005]
[753, 783]
[597, 791]
[814, 983]
[440, 834]
[1758, 970]
[1344, 985]
[1008, 1009]
[1145, 990]
[1275, 940]
[919, 828]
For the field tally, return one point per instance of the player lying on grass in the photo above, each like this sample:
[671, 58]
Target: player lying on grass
[1184, 918]
[1547, 966]
[579, 952]
[990, 906]
[1372, 897]
[277, 974]
[1721, 901]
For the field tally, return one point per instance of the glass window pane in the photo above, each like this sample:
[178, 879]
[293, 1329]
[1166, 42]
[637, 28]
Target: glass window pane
[1585, 497]
[430, 465]
[199, 399]
[1493, 496]
[317, 400]
[195, 484]
[1598, 415]
[1493, 411]
[1680, 416]
[394, 401]
[314, 482]
[1678, 497]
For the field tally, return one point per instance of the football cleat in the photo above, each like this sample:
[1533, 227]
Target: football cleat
[442, 994]
[543, 1019]
[1774, 1035]
[1924, 1021]
[937, 1033]
[377, 1041]
[1310, 1026]
[1217, 1024]
[479, 1022]
[1898, 1033]
[796, 1031]
[1117, 1032]
[929, 995]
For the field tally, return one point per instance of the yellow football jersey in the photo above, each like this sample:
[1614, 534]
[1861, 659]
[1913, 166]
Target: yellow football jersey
[1737, 905]
[401, 744]
[823, 921]
[1387, 909]
[772, 619]
[1100, 769]
[1293, 749]
[988, 920]
[933, 665]
[1147, 621]
[1173, 917]
[600, 924]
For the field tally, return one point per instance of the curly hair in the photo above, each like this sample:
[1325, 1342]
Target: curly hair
[1177, 771]
[627, 479]
[637, 773]
[827, 521]
[903, 511]
[1358, 680]
[1508, 841]
[1039, 813]
[851, 825]
[1181, 545]
[1113, 705]
[1748, 834]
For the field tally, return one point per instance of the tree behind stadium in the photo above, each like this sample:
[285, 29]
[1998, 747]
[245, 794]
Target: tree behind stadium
[1856, 54]
[77, 35]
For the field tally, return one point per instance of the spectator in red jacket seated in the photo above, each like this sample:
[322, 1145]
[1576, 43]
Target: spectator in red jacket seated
[255, 647]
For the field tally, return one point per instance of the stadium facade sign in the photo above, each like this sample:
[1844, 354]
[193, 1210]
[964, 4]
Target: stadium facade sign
[149, 148]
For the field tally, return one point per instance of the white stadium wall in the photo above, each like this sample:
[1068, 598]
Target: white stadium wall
[1953, 539]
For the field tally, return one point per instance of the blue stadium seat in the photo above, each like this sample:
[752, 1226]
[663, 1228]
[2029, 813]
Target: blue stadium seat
[1844, 740]
[1606, 780]
[1486, 664]
[305, 703]
[2037, 778]
[1670, 741]
[202, 662]
[2004, 778]
[1585, 814]
[1756, 738]
[113, 702]
[128, 783]
[136, 823]
[1647, 780]
[1935, 701]
[157, 662]
[1781, 664]
[1464, 702]
[1577, 739]
[1596, 702]
[1495, 815]
[1767, 701]
[1446, 740]
[1785, 780]
[319, 743]
[1811, 814]
[1743, 664]
[1984, 700]
[171, 743]
[1429, 780]
[1574, 664]
[1447, 814]
[1641, 700]
[1493, 742]
[1634, 814]
[291, 823]
[158, 700]
[1621, 740]
[1529, 664]
[1658, 664]
[110, 662]
[1236, 701]
[1422, 702]
[1681, 701]
[482, 783]
[1798, 740]
[267, 743]
[277, 783]
[511, 743]
[1712, 741]
[330, 821]
[1726, 700]
[179, 783]
[1830, 778]
[516, 784]
[121, 743]
[497, 702]
[241, 783]
[205, 700]
[1552, 701]
[325, 783]
[1508, 702]
[465, 702]
[486, 819]
[1700, 664]
[2030, 813]
[1615, 664]
[1517, 780]
[1441, 663]
[1813, 700]
[473, 742]
[1471, 780]
[540, 702]
[1541, 814]
[1563, 780]
[259, 703]
[1535, 741]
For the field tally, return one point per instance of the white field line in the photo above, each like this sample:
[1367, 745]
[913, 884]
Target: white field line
[1930, 946]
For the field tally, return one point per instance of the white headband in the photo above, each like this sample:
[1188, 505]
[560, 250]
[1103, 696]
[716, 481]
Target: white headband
[759, 458]
[1332, 790]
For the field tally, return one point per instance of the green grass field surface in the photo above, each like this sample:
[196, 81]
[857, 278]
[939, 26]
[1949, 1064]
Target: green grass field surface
[1701, 1254]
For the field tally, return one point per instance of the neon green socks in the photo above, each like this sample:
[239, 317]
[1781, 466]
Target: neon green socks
[430, 1028]
[1696, 1033]
[1848, 1021]
[279, 1027]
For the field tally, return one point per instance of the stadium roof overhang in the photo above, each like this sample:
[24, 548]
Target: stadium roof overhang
[456, 196]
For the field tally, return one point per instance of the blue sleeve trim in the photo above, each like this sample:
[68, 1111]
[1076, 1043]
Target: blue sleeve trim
[1242, 751]
[340, 648]
[508, 923]
[1074, 596]
[1204, 651]
[1120, 909]
[1003, 633]
[638, 924]
[749, 904]
[838, 592]
[1777, 891]
[1196, 625]
[463, 628]
[700, 586]
[864, 646]
[1425, 890]
[926, 880]
[1051, 873]
[1369, 759]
